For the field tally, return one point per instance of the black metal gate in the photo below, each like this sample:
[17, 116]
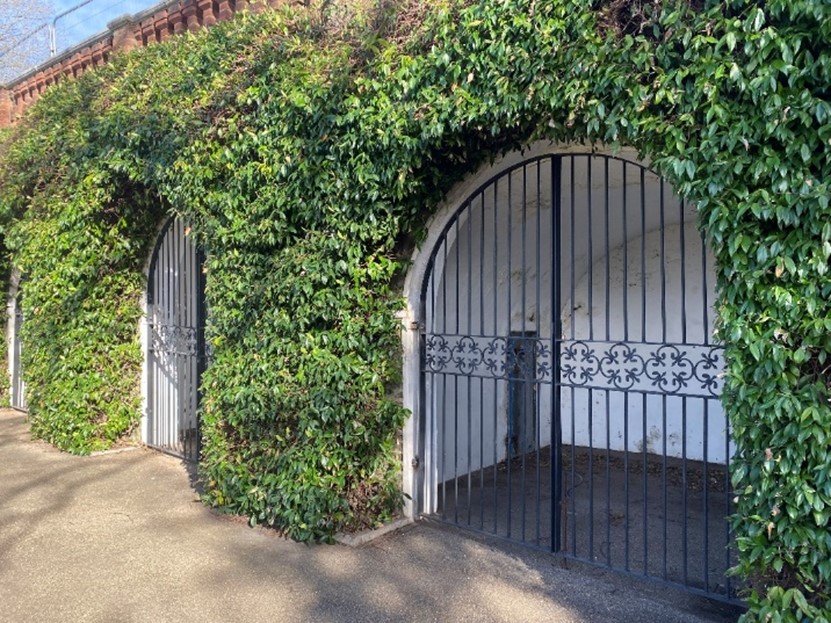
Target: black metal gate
[176, 342]
[569, 379]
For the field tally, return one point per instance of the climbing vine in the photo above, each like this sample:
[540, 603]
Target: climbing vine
[307, 150]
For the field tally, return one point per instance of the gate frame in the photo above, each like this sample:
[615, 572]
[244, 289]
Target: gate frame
[418, 479]
[144, 337]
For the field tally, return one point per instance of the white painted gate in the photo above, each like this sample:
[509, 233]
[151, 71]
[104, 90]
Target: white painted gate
[176, 344]
[18, 386]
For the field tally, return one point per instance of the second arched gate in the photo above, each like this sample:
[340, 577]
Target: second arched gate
[176, 342]
[17, 388]
[569, 378]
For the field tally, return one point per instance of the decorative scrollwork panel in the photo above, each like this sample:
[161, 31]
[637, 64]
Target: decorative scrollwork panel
[677, 369]
[511, 358]
[174, 340]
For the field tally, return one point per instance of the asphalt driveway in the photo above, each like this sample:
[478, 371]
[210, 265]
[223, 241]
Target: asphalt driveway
[122, 537]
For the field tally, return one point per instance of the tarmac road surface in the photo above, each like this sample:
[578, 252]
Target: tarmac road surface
[122, 537]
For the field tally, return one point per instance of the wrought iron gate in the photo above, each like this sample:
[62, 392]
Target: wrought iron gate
[569, 379]
[18, 386]
[176, 342]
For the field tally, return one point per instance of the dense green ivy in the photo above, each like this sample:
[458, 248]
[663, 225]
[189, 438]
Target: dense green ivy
[307, 151]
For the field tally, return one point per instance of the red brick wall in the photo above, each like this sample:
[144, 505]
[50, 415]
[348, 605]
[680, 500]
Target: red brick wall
[123, 34]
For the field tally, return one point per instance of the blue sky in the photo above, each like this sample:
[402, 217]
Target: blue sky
[92, 18]
[25, 43]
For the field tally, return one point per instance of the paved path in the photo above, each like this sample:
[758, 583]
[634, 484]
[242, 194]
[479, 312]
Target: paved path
[122, 537]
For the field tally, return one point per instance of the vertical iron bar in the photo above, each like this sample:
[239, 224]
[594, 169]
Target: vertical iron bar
[523, 416]
[684, 503]
[683, 277]
[181, 319]
[527, 383]
[161, 320]
[496, 230]
[664, 483]
[186, 388]
[706, 509]
[161, 416]
[481, 380]
[456, 331]
[183, 266]
[176, 393]
[153, 423]
[202, 321]
[172, 411]
[537, 324]
[509, 423]
[572, 390]
[663, 261]
[176, 414]
[626, 512]
[590, 258]
[468, 381]
[191, 358]
[441, 413]
[164, 356]
[429, 430]
[556, 433]
[684, 399]
[170, 360]
[664, 480]
[151, 363]
[644, 400]
[590, 310]
[161, 359]
[608, 514]
[573, 239]
[435, 440]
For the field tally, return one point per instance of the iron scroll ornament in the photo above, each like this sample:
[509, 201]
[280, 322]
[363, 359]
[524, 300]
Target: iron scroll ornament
[174, 339]
[666, 368]
[469, 355]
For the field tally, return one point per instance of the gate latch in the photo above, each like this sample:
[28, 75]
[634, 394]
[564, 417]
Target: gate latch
[415, 462]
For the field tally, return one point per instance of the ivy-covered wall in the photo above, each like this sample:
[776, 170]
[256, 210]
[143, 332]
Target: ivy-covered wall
[308, 150]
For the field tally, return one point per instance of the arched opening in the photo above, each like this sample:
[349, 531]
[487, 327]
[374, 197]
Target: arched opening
[14, 320]
[175, 343]
[568, 380]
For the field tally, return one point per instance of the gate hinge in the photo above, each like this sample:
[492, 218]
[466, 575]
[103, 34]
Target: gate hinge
[415, 462]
